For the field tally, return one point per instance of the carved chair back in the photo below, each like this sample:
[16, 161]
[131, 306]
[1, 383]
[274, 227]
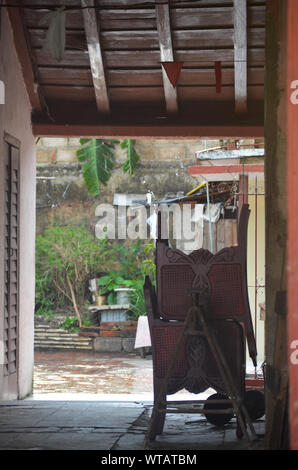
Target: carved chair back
[223, 276]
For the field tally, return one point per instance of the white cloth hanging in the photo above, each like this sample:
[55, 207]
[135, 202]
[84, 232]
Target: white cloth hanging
[215, 210]
[55, 36]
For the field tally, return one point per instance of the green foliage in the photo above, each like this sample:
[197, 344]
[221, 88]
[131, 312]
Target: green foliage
[70, 324]
[66, 257]
[134, 258]
[109, 282]
[44, 298]
[137, 300]
[132, 158]
[135, 261]
[97, 156]
[136, 295]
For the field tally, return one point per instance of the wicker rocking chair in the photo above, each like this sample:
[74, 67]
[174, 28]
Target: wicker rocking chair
[222, 279]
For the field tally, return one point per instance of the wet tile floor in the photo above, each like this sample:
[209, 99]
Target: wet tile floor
[80, 375]
[91, 375]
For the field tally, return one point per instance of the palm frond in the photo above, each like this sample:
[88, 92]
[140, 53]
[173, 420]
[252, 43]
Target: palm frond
[132, 157]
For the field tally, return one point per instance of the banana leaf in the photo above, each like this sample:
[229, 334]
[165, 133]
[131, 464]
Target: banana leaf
[98, 162]
[132, 157]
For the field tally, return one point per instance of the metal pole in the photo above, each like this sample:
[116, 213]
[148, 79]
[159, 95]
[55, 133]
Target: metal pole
[256, 260]
[209, 217]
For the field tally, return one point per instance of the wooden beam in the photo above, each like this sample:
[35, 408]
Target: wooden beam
[240, 55]
[147, 131]
[166, 54]
[95, 57]
[23, 52]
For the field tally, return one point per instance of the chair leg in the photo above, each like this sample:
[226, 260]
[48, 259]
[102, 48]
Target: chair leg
[161, 417]
[158, 418]
[157, 425]
[239, 430]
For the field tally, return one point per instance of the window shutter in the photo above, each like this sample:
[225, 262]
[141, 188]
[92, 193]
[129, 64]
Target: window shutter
[11, 259]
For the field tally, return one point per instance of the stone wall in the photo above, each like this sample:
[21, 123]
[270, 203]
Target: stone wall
[62, 197]
[49, 335]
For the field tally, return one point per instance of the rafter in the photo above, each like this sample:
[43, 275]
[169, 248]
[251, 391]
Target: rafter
[95, 57]
[166, 54]
[24, 55]
[240, 55]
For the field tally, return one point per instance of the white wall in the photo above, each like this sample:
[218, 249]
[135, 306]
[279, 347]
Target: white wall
[256, 258]
[15, 120]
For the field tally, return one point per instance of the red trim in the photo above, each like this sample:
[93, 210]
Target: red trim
[254, 383]
[215, 169]
[173, 70]
[292, 207]
[217, 66]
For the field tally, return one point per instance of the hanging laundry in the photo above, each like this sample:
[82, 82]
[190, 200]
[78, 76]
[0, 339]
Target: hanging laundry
[55, 36]
[215, 211]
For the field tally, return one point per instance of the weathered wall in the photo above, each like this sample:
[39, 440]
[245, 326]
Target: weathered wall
[15, 120]
[163, 169]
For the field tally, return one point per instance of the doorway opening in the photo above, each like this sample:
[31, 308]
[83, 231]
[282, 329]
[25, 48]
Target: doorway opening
[97, 358]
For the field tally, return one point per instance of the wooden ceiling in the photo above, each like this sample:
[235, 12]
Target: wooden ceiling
[111, 71]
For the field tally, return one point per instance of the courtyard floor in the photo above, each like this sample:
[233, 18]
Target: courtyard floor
[103, 402]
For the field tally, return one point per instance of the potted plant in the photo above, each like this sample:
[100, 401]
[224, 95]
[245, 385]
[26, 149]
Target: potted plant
[115, 287]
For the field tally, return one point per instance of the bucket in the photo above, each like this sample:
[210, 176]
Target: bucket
[123, 295]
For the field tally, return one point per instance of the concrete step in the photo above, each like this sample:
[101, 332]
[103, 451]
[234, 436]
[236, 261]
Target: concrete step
[62, 338]
[45, 328]
[50, 345]
[61, 341]
[57, 333]
[71, 334]
[47, 337]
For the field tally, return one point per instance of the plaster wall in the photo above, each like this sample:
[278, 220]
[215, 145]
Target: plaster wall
[15, 120]
[62, 196]
[256, 262]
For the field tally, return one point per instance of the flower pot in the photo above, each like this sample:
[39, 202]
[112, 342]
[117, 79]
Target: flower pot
[101, 300]
[123, 295]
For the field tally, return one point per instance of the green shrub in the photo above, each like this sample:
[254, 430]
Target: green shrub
[66, 257]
